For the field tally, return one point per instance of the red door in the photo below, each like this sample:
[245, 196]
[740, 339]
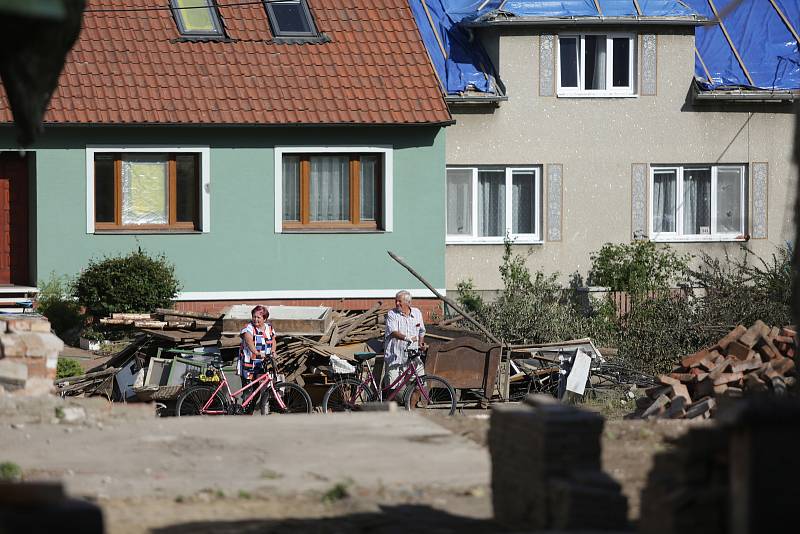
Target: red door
[13, 218]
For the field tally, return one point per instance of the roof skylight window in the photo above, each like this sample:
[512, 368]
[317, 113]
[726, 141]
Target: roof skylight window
[290, 18]
[197, 18]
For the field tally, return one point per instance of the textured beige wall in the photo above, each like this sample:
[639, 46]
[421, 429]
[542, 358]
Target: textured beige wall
[597, 140]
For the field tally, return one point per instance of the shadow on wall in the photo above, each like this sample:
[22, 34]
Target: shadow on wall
[390, 520]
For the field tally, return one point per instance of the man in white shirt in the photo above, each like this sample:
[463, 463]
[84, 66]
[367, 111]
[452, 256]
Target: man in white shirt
[404, 329]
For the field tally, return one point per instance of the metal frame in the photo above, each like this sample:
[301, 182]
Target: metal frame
[276, 31]
[219, 29]
[610, 90]
[678, 234]
[509, 170]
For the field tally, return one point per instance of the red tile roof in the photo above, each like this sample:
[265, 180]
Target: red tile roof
[131, 67]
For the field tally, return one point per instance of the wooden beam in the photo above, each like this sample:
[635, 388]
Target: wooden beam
[597, 5]
[786, 21]
[703, 63]
[730, 42]
[433, 27]
[638, 7]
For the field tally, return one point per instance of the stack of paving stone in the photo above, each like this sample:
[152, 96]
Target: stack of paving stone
[546, 471]
[737, 477]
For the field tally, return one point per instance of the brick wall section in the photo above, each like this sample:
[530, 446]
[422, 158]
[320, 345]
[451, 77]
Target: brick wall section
[431, 308]
[28, 355]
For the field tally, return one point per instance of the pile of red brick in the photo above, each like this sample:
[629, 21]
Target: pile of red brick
[747, 360]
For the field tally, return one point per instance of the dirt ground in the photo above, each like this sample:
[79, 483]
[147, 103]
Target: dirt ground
[325, 503]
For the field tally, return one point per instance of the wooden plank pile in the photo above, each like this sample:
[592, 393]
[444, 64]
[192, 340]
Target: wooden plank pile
[759, 359]
[165, 319]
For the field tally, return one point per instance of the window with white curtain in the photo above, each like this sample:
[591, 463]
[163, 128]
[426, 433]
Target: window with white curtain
[698, 202]
[596, 65]
[332, 190]
[486, 204]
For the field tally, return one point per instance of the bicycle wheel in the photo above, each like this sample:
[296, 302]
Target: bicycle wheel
[191, 402]
[438, 395]
[295, 399]
[347, 395]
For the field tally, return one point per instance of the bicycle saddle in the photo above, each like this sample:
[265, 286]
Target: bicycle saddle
[364, 356]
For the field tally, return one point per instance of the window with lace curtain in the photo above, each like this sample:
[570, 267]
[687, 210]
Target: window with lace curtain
[596, 65]
[698, 202]
[332, 191]
[486, 204]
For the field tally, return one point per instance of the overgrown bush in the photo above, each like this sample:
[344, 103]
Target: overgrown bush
[531, 308]
[742, 289]
[469, 299]
[55, 302]
[637, 267]
[133, 283]
[657, 331]
[67, 367]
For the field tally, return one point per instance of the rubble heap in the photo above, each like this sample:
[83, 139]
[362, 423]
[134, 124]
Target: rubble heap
[758, 359]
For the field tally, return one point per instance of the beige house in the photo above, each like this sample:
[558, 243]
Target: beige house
[599, 133]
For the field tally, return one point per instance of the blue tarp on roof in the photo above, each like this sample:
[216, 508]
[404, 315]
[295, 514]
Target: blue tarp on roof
[466, 65]
[768, 50]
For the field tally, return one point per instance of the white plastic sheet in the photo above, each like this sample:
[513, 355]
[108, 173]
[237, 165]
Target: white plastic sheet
[576, 381]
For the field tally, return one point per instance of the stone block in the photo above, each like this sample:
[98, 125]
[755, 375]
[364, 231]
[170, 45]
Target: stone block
[12, 345]
[27, 324]
[13, 374]
[41, 345]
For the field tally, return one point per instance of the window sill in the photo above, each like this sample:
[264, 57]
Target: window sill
[493, 241]
[331, 231]
[700, 239]
[126, 231]
[598, 94]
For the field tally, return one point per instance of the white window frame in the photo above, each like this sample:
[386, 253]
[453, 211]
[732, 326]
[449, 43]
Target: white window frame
[534, 238]
[205, 183]
[610, 90]
[678, 235]
[388, 181]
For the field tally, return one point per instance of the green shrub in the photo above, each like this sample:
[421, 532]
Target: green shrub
[468, 297]
[657, 332]
[739, 290]
[10, 472]
[133, 283]
[55, 302]
[535, 309]
[67, 367]
[638, 266]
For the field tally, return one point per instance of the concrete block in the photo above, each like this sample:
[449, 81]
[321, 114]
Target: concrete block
[390, 406]
[40, 345]
[12, 345]
[28, 324]
[13, 373]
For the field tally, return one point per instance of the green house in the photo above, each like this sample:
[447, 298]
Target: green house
[273, 151]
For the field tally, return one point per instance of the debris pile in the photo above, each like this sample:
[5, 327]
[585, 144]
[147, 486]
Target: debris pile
[758, 359]
[169, 345]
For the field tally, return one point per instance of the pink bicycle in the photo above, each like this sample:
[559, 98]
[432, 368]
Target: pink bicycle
[427, 392]
[265, 391]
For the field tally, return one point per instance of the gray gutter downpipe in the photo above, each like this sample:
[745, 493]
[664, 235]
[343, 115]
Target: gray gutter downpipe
[775, 96]
[586, 21]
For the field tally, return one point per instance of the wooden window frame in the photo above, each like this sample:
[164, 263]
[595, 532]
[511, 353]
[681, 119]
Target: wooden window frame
[172, 193]
[354, 171]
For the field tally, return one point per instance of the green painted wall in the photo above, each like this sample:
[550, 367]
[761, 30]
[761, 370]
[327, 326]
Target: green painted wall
[242, 252]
